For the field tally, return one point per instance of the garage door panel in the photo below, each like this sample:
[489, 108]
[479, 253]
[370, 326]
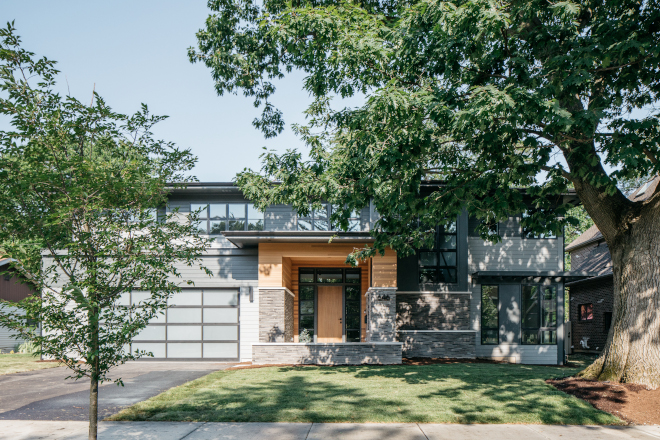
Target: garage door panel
[157, 349]
[184, 350]
[220, 298]
[220, 333]
[220, 350]
[198, 324]
[151, 333]
[184, 316]
[221, 316]
[184, 332]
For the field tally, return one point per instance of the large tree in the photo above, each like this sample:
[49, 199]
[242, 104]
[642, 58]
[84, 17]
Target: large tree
[85, 186]
[485, 96]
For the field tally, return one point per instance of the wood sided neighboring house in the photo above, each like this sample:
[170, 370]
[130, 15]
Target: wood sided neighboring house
[11, 289]
[277, 279]
[591, 299]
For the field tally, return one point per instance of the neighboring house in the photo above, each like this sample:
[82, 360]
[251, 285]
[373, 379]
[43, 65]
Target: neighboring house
[591, 300]
[277, 277]
[11, 289]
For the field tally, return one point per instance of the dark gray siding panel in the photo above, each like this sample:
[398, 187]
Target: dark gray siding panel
[407, 279]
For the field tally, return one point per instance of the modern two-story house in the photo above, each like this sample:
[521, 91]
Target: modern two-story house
[281, 293]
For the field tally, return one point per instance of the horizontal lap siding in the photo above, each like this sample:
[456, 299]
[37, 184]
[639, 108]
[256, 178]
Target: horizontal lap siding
[280, 218]
[515, 254]
[384, 269]
[249, 322]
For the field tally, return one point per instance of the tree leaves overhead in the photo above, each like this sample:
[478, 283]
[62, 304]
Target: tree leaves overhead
[82, 192]
[486, 97]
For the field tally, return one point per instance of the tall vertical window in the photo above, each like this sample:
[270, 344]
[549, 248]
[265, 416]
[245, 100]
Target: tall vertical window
[352, 305]
[539, 314]
[490, 322]
[217, 217]
[438, 264]
[306, 305]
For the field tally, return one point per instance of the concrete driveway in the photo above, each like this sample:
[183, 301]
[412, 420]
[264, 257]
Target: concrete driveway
[46, 395]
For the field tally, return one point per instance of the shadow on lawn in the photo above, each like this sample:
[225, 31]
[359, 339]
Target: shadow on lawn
[465, 393]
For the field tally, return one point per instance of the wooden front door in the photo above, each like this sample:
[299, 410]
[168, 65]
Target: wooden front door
[330, 325]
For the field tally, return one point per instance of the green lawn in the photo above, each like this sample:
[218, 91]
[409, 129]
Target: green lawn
[446, 393]
[18, 363]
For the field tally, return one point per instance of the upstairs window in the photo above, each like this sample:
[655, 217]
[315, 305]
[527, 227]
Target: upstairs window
[437, 265]
[539, 314]
[214, 218]
[316, 220]
[319, 220]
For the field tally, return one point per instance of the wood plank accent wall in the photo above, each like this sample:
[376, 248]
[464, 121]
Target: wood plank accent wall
[279, 264]
[384, 269]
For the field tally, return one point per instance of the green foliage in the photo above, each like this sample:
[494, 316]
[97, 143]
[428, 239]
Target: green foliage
[482, 96]
[84, 185]
[28, 348]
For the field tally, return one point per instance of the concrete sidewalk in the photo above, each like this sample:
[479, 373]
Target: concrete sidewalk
[33, 430]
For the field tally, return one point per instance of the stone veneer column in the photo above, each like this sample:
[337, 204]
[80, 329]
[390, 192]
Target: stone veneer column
[381, 314]
[275, 315]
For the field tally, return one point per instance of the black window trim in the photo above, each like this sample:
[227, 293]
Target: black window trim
[539, 329]
[438, 250]
[246, 218]
[481, 318]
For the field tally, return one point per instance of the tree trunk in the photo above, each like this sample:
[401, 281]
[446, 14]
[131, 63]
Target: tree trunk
[632, 350]
[94, 377]
[93, 407]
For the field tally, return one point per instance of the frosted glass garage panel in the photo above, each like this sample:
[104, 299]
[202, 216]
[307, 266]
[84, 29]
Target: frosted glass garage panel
[184, 350]
[159, 318]
[221, 350]
[184, 332]
[186, 298]
[184, 316]
[220, 333]
[151, 333]
[221, 316]
[139, 296]
[124, 299]
[157, 349]
[220, 297]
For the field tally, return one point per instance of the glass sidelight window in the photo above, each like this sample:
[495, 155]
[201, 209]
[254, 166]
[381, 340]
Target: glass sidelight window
[349, 280]
[490, 322]
[539, 314]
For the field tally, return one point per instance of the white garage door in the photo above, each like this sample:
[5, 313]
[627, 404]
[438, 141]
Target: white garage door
[199, 324]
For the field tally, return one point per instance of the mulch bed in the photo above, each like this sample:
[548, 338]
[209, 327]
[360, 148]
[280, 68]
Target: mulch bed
[632, 403]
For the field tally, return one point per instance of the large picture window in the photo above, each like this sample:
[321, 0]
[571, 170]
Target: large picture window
[214, 218]
[490, 322]
[539, 317]
[438, 264]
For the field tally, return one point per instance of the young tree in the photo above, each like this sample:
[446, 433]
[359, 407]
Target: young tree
[487, 97]
[87, 186]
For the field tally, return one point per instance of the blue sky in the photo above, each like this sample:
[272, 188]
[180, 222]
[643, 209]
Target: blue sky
[136, 51]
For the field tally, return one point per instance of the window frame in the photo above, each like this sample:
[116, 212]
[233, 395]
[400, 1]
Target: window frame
[226, 219]
[540, 329]
[528, 235]
[355, 219]
[439, 250]
[343, 284]
[580, 312]
[481, 318]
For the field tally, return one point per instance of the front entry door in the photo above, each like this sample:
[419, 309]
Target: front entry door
[330, 314]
